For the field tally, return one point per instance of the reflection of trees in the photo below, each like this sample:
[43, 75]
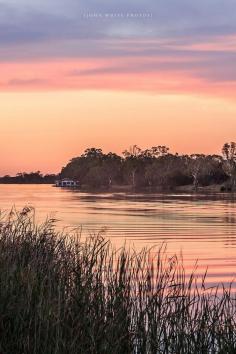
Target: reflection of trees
[229, 220]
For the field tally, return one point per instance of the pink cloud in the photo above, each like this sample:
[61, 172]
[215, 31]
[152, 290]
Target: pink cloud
[160, 75]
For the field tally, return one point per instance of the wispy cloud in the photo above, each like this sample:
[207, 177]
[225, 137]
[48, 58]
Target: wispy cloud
[186, 40]
[26, 82]
[65, 19]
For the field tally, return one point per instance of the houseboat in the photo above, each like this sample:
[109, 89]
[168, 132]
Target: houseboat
[66, 182]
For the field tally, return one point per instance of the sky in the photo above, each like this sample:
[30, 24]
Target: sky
[78, 74]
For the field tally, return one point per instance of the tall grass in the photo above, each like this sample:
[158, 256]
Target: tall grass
[61, 295]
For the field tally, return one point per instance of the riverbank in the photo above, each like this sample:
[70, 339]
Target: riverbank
[81, 296]
[216, 188]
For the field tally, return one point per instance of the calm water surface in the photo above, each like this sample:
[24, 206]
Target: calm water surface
[202, 227]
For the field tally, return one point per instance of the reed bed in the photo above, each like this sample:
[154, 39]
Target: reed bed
[62, 294]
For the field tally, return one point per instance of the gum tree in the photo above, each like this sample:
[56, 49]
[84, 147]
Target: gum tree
[229, 164]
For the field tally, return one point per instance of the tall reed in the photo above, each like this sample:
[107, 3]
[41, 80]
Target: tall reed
[61, 294]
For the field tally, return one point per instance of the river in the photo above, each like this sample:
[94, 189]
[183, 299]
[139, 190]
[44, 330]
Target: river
[202, 227]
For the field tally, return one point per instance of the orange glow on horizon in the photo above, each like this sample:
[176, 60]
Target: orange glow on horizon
[43, 130]
[54, 108]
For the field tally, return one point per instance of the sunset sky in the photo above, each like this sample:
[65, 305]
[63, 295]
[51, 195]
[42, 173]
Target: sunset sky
[77, 74]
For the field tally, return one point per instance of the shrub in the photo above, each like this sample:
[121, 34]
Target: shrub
[60, 293]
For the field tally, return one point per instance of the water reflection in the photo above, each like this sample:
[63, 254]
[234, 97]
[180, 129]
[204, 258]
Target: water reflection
[202, 226]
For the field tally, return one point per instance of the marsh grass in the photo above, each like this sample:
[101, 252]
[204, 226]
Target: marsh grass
[59, 294]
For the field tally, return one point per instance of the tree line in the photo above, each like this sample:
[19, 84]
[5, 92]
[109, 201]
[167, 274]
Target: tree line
[151, 168]
[29, 178]
[155, 167]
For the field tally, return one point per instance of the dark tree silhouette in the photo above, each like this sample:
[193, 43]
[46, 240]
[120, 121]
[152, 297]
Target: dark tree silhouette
[29, 178]
[229, 165]
[153, 167]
